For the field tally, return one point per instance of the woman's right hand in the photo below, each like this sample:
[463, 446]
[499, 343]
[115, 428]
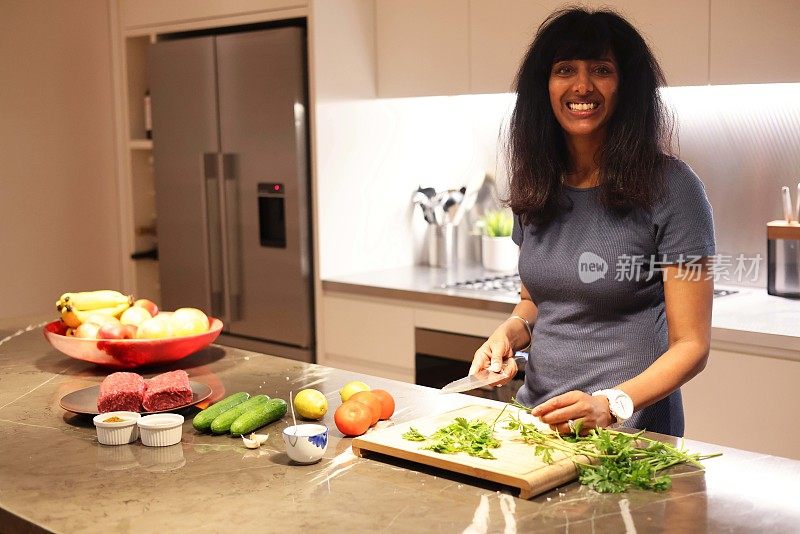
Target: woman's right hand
[497, 355]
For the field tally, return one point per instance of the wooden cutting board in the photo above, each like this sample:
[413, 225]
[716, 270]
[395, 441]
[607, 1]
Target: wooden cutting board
[516, 464]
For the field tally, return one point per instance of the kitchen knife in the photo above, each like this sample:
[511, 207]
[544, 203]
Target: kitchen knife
[787, 204]
[484, 377]
[797, 204]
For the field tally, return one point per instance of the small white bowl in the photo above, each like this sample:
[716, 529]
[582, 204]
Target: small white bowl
[306, 443]
[161, 429]
[117, 433]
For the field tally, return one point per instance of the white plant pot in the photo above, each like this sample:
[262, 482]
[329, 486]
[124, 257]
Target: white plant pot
[499, 253]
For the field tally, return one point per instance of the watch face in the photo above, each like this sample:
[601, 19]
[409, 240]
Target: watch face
[623, 407]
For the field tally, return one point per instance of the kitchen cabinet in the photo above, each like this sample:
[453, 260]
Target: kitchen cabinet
[367, 335]
[746, 401]
[422, 47]
[376, 335]
[502, 30]
[150, 13]
[754, 41]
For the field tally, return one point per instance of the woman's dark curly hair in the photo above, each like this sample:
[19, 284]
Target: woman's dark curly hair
[638, 134]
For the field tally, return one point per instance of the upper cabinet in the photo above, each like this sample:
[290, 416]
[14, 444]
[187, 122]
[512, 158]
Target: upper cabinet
[755, 41]
[422, 47]
[502, 30]
[677, 32]
[446, 47]
[152, 13]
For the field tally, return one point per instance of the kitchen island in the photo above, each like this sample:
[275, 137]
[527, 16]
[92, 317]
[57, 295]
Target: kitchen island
[54, 476]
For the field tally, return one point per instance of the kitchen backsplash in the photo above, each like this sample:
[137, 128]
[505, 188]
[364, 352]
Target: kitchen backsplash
[743, 142]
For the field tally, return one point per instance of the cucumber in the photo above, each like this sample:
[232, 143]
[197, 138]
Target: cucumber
[261, 415]
[202, 421]
[222, 423]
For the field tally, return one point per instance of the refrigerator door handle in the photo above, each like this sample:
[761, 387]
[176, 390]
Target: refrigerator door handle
[233, 252]
[214, 231]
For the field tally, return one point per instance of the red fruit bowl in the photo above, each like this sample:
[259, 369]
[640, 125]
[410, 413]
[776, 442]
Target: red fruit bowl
[129, 353]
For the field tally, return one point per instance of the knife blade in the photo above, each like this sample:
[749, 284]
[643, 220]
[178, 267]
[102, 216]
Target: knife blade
[484, 377]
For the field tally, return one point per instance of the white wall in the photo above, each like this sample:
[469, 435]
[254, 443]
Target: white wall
[58, 198]
[741, 140]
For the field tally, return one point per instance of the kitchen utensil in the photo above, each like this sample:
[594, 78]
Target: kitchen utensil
[797, 204]
[84, 401]
[306, 443]
[787, 204]
[515, 465]
[783, 259]
[291, 405]
[129, 353]
[482, 378]
[442, 245]
[161, 429]
[117, 432]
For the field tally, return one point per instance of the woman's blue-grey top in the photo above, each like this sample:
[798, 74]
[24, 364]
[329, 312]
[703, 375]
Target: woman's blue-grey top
[596, 280]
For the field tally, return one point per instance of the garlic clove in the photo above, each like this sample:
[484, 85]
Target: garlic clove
[260, 438]
[250, 443]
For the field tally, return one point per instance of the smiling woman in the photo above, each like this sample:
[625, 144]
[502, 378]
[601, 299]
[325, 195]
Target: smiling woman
[613, 233]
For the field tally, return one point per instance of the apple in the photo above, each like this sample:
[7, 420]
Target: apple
[114, 331]
[183, 314]
[165, 316]
[154, 328]
[101, 318]
[183, 325]
[148, 305]
[135, 315]
[87, 330]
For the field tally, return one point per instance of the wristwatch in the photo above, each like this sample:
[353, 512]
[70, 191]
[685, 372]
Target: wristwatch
[619, 403]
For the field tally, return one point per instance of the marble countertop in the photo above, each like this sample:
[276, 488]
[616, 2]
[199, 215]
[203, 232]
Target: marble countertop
[761, 322]
[54, 476]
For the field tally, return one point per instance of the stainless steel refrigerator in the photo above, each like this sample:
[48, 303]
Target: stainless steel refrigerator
[232, 183]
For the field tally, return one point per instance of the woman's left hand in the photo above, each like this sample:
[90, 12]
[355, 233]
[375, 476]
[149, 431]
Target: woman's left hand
[594, 412]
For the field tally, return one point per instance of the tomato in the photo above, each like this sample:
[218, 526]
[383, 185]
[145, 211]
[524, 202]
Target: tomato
[387, 402]
[372, 402]
[352, 418]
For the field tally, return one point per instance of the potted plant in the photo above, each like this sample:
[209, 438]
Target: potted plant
[498, 251]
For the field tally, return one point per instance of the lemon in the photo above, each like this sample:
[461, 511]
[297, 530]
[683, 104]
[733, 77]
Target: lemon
[351, 388]
[310, 404]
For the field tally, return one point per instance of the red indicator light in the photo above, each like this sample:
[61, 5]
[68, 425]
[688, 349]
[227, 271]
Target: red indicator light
[276, 187]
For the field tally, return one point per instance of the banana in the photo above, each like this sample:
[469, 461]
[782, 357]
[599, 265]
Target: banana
[93, 300]
[73, 317]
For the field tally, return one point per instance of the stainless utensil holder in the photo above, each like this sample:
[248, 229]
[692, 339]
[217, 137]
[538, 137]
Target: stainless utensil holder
[783, 259]
[442, 248]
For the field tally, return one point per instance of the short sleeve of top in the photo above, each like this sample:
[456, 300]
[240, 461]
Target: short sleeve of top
[682, 219]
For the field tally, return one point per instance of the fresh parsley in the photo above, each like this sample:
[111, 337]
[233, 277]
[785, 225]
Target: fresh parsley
[609, 461]
[472, 437]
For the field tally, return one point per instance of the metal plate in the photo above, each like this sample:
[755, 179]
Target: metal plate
[84, 401]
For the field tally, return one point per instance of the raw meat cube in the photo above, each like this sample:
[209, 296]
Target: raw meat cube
[121, 391]
[167, 391]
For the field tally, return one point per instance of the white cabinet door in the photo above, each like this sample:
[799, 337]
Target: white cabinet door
[676, 30]
[143, 13]
[368, 335]
[745, 401]
[422, 47]
[501, 31]
[755, 41]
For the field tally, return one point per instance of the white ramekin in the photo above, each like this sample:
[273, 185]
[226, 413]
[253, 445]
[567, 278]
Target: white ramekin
[161, 429]
[119, 433]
